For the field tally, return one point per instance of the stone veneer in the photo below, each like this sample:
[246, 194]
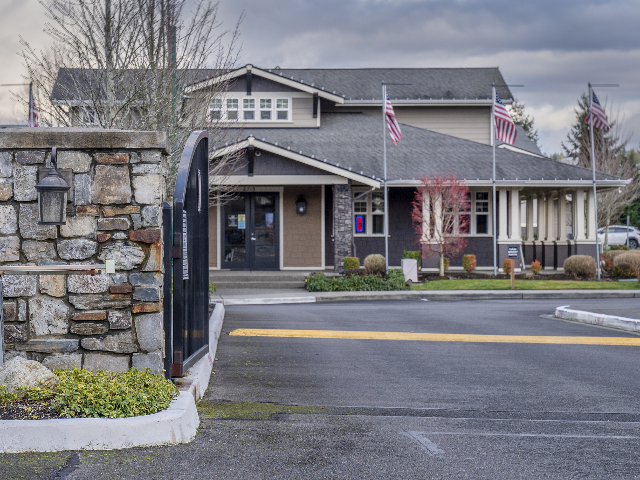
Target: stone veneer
[343, 224]
[109, 321]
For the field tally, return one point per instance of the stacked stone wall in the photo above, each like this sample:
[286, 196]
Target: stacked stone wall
[110, 321]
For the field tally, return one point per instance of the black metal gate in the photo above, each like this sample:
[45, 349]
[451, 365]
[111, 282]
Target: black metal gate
[186, 260]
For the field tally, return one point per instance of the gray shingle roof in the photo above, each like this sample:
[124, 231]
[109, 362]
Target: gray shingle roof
[523, 142]
[354, 141]
[424, 83]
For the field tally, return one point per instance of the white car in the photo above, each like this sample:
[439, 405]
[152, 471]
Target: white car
[618, 236]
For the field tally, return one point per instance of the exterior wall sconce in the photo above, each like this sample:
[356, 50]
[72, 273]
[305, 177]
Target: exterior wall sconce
[301, 205]
[52, 195]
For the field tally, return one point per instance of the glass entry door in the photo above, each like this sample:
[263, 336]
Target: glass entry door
[250, 232]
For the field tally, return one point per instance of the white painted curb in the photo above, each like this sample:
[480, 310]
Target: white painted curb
[177, 424]
[622, 323]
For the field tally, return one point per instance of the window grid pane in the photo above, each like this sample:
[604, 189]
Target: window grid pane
[283, 115]
[265, 103]
[249, 103]
[249, 115]
[265, 115]
[282, 103]
[232, 104]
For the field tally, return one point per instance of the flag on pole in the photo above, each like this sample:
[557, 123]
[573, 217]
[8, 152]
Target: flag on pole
[33, 111]
[599, 117]
[394, 128]
[505, 128]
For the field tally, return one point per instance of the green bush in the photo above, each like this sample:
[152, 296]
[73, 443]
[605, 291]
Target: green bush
[351, 262]
[6, 396]
[617, 247]
[319, 282]
[624, 270]
[630, 258]
[469, 262]
[375, 264]
[507, 265]
[414, 254]
[354, 271]
[82, 393]
[580, 266]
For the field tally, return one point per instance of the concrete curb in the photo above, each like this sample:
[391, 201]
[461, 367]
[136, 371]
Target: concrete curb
[267, 301]
[177, 424]
[621, 323]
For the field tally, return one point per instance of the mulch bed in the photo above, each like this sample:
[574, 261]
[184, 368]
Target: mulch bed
[434, 276]
[27, 410]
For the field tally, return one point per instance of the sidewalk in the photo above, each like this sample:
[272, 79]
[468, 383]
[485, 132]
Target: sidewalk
[230, 297]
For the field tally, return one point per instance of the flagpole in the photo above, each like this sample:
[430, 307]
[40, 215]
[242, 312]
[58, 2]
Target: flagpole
[30, 121]
[593, 168]
[384, 163]
[493, 179]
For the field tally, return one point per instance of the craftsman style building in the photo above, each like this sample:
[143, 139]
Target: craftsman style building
[310, 176]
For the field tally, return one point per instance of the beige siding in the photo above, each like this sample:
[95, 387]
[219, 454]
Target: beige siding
[302, 112]
[470, 123]
[213, 236]
[302, 234]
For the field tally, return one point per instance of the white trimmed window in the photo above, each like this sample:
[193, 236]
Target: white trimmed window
[481, 222]
[282, 109]
[215, 109]
[232, 109]
[266, 105]
[368, 213]
[249, 109]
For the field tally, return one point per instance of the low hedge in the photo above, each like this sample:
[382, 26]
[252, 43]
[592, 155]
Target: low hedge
[580, 266]
[319, 282]
[101, 394]
[629, 258]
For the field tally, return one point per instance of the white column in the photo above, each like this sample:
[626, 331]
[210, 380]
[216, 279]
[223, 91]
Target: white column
[437, 217]
[591, 223]
[515, 231]
[426, 218]
[578, 221]
[502, 215]
[542, 218]
[562, 216]
[529, 216]
[549, 218]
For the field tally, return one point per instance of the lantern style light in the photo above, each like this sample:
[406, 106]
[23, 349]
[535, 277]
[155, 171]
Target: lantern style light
[52, 195]
[301, 205]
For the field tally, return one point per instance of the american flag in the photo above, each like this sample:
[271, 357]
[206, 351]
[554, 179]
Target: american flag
[599, 117]
[505, 128]
[394, 128]
[33, 112]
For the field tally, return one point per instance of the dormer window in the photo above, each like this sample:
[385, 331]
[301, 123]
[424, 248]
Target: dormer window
[215, 109]
[249, 109]
[232, 109]
[265, 109]
[282, 109]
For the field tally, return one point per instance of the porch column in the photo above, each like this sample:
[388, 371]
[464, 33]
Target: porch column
[578, 220]
[515, 230]
[529, 213]
[426, 218]
[551, 232]
[562, 216]
[542, 217]
[591, 221]
[502, 215]
[342, 224]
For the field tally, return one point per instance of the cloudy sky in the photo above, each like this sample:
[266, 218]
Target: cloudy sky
[552, 47]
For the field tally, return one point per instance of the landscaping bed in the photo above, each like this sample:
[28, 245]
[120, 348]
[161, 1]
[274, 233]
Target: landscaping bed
[521, 284]
[435, 276]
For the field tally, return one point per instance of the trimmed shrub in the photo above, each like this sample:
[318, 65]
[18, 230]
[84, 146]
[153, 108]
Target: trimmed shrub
[318, 282]
[536, 266]
[624, 270]
[580, 266]
[414, 255]
[618, 247]
[507, 265]
[629, 258]
[469, 263]
[374, 264]
[351, 262]
[612, 254]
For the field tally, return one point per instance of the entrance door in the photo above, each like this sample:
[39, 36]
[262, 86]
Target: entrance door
[250, 232]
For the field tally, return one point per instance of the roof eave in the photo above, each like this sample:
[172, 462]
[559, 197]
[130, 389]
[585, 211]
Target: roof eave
[554, 183]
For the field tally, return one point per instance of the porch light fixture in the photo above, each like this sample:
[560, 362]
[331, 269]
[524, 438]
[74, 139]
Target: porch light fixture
[52, 195]
[301, 205]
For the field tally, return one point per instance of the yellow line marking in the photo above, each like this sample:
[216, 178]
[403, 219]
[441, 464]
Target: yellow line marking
[434, 337]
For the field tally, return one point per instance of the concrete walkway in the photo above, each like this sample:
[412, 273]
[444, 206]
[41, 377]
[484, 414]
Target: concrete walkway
[263, 296]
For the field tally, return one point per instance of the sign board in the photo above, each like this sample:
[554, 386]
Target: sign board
[512, 252]
[241, 221]
[185, 259]
[359, 224]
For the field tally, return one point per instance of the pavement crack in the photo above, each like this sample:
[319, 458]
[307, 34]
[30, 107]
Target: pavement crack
[70, 465]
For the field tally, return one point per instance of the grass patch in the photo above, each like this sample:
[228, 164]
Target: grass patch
[497, 284]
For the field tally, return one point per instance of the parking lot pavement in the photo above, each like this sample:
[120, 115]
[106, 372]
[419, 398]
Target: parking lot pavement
[292, 407]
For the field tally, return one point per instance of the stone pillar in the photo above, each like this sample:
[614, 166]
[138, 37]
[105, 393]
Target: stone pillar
[529, 212]
[591, 221]
[562, 216]
[343, 223]
[515, 233]
[578, 218]
[502, 215]
[551, 231]
[542, 219]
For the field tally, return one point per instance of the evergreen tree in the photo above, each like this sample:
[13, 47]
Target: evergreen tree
[519, 117]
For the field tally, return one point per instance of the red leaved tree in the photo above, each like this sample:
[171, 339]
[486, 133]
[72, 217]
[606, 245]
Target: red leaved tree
[441, 211]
